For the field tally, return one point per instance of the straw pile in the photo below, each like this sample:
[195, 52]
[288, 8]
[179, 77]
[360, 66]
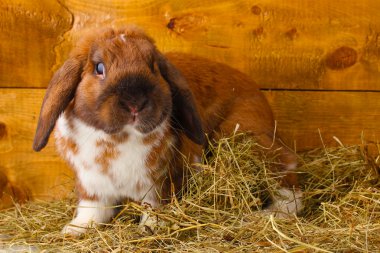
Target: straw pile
[220, 210]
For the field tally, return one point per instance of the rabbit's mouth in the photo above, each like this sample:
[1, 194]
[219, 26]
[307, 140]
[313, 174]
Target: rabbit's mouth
[143, 122]
[148, 123]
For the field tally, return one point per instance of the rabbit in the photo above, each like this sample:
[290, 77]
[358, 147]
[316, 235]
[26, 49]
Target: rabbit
[125, 117]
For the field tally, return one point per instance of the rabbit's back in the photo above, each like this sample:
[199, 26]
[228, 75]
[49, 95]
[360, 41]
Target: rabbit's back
[220, 90]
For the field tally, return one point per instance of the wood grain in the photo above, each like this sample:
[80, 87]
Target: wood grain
[313, 119]
[309, 56]
[30, 32]
[302, 45]
[299, 115]
[33, 175]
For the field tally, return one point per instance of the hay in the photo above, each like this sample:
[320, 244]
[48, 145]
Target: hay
[220, 210]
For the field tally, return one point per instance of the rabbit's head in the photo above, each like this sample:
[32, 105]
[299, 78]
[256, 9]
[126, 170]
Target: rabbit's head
[117, 78]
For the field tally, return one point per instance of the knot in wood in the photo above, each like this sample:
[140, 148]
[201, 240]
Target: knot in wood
[292, 33]
[256, 10]
[342, 58]
[3, 130]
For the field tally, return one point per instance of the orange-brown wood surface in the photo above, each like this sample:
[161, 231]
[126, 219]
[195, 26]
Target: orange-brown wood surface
[308, 120]
[27, 174]
[298, 44]
[318, 63]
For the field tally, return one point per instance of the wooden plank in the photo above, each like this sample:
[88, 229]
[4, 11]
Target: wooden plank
[299, 114]
[308, 45]
[307, 118]
[38, 175]
[30, 32]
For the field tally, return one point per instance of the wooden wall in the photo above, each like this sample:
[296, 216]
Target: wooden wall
[318, 63]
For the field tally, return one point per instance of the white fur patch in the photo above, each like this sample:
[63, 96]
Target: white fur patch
[126, 177]
[286, 202]
[123, 38]
[125, 172]
[291, 166]
[89, 213]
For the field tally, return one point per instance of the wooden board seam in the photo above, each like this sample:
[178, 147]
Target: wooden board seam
[321, 90]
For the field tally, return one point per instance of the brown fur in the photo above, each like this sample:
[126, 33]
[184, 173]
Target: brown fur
[120, 137]
[156, 154]
[150, 139]
[111, 117]
[200, 96]
[226, 97]
[161, 162]
[108, 153]
[70, 116]
[66, 145]
[95, 101]
[72, 146]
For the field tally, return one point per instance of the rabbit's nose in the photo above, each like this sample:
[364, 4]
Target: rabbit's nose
[133, 109]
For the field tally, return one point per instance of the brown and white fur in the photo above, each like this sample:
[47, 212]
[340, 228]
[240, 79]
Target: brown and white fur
[126, 116]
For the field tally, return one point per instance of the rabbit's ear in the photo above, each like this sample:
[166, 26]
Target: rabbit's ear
[59, 93]
[185, 115]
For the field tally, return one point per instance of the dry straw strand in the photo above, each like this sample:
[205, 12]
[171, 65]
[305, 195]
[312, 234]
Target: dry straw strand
[220, 209]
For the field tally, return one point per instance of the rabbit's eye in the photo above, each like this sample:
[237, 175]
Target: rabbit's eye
[100, 69]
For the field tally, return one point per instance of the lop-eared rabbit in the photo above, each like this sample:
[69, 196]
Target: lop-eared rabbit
[125, 116]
